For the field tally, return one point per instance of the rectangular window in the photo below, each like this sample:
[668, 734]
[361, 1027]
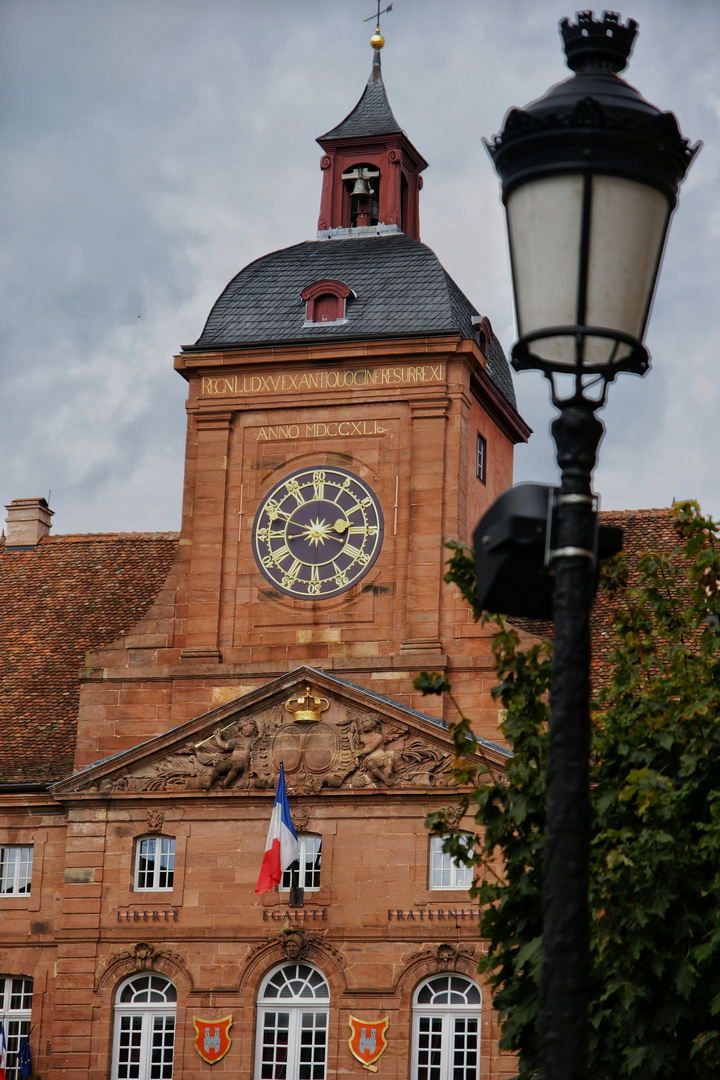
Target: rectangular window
[481, 460]
[446, 1047]
[155, 864]
[15, 1012]
[15, 870]
[429, 1048]
[307, 865]
[445, 872]
[145, 1046]
[294, 1044]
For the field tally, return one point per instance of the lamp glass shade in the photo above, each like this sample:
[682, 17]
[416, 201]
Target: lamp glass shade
[585, 254]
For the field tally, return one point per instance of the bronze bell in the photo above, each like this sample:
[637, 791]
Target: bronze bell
[361, 189]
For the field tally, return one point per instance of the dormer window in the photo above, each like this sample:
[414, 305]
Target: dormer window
[325, 302]
[483, 332]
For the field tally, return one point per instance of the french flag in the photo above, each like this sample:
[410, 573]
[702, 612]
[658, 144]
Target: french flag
[3, 1052]
[281, 847]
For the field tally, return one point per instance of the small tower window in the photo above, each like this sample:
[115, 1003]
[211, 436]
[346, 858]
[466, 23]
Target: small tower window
[481, 458]
[325, 302]
[404, 224]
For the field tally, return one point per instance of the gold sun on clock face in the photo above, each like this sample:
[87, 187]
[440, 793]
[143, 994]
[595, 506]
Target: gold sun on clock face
[317, 533]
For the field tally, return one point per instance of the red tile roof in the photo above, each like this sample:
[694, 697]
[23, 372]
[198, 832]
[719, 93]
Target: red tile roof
[69, 595]
[643, 530]
[76, 593]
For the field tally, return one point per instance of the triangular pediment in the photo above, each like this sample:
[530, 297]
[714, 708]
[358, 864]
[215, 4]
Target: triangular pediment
[328, 734]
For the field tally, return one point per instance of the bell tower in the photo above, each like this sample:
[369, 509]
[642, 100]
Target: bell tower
[371, 170]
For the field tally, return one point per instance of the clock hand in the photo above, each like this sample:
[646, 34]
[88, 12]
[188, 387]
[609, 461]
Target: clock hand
[304, 536]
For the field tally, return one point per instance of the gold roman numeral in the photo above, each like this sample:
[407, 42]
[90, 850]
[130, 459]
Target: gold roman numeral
[319, 485]
[314, 583]
[281, 553]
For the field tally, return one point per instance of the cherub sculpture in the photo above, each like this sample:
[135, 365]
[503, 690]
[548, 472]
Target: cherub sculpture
[377, 760]
[238, 751]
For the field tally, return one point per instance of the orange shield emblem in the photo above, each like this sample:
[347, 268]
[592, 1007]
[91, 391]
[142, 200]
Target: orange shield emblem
[212, 1039]
[368, 1041]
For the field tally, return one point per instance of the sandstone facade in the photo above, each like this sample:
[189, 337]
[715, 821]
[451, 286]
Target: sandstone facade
[144, 803]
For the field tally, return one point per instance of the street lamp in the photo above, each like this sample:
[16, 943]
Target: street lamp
[590, 175]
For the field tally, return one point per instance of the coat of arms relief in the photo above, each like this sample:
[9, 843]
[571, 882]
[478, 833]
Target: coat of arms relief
[356, 749]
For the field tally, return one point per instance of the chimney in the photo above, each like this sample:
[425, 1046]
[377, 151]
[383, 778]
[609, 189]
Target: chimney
[28, 521]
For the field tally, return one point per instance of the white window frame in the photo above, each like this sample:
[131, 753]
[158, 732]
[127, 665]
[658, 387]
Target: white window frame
[16, 862]
[481, 458]
[304, 1000]
[444, 872]
[310, 852]
[146, 1018]
[158, 871]
[449, 1022]
[16, 993]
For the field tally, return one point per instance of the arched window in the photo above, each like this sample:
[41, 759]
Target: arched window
[446, 1029]
[145, 1007]
[404, 209]
[292, 1022]
[16, 996]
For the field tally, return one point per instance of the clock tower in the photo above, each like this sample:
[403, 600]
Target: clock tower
[349, 411]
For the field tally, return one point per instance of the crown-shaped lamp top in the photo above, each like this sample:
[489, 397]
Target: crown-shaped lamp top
[593, 44]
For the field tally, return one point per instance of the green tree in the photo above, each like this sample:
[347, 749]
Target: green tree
[655, 856]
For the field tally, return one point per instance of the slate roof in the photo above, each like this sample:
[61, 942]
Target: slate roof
[71, 594]
[372, 115]
[400, 286]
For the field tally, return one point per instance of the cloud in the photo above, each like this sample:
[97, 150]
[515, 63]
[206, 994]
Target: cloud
[152, 150]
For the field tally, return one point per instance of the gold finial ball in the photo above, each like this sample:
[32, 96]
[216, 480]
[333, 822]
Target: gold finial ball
[377, 41]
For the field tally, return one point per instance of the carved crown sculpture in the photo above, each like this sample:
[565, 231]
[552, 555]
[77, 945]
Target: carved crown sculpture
[308, 708]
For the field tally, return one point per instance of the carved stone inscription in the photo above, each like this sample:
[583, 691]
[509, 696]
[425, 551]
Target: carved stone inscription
[361, 750]
[330, 429]
[324, 379]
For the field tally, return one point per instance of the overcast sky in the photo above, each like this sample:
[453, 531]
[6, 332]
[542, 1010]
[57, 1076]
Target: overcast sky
[152, 148]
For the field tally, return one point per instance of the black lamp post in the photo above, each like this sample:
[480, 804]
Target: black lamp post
[590, 175]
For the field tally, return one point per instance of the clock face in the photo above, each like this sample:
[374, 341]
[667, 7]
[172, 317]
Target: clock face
[317, 533]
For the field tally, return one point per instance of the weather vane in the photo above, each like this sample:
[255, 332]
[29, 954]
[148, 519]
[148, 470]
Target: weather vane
[377, 40]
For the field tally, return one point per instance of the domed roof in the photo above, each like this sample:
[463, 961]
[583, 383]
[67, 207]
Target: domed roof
[399, 289]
